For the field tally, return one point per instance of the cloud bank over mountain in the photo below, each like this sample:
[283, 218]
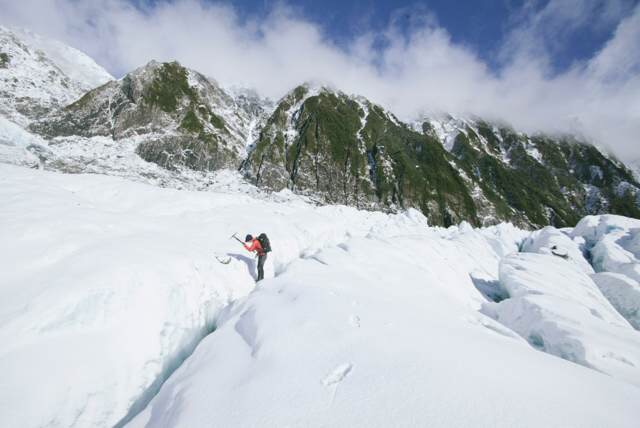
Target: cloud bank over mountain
[412, 66]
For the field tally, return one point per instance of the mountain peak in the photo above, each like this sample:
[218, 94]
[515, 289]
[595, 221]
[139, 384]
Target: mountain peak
[321, 142]
[39, 75]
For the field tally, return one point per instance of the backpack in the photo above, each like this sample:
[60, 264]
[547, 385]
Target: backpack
[264, 242]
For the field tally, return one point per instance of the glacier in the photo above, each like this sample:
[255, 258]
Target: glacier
[115, 311]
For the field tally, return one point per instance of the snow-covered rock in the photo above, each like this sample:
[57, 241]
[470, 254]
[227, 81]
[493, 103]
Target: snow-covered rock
[79, 67]
[177, 117]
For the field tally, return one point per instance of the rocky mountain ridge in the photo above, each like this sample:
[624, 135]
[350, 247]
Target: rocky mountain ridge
[347, 150]
[323, 143]
[185, 119]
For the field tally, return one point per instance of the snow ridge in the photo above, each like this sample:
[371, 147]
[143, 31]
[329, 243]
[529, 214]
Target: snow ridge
[41, 75]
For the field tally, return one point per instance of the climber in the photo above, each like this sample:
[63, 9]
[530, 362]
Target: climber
[261, 246]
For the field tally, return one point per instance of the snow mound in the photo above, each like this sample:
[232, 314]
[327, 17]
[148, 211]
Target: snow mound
[20, 147]
[553, 242]
[594, 228]
[623, 293]
[558, 309]
[613, 244]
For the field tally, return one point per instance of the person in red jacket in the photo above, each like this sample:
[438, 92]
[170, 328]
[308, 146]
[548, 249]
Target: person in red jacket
[257, 247]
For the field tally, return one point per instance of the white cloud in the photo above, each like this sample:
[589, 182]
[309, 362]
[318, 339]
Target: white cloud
[417, 69]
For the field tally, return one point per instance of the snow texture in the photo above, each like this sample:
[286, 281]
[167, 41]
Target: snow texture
[421, 354]
[42, 75]
[553, 242]
[623, 293]
[115, 311]
[613, 245]
[558, 309]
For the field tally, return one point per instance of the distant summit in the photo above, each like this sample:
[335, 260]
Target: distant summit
[39, 75]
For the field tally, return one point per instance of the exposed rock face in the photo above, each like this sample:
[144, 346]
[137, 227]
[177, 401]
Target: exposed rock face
[185, 119]
[538, 180]
[316, 141]
[347, 150]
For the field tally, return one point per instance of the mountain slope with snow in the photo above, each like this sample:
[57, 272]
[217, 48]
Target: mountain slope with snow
[316, 141]
[39, 75]
[178, 116]
[344, 149]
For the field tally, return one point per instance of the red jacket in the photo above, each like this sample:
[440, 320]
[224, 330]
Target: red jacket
[255, 246]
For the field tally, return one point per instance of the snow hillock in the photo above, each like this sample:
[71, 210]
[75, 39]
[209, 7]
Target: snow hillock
[558, 309]
[553, 242]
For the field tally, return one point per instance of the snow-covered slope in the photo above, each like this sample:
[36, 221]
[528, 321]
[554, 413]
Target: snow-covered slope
[38, 75]
[365, 319]
[251, 113]
[634, 166]
[116, 282]
[384, 332]
[79, 67]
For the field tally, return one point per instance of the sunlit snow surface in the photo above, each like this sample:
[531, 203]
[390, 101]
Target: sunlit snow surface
[42, 74]
[365, 319]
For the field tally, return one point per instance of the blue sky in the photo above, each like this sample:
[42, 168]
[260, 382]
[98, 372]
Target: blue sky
[480, 25]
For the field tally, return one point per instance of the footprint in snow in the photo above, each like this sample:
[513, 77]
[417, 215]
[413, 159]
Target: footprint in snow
[338, 374]
[354, 320]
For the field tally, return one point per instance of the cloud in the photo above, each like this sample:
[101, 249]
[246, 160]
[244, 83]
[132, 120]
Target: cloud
[411, 67]
[540, 31]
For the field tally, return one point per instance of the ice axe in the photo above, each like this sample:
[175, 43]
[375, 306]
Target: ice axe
[236, 238]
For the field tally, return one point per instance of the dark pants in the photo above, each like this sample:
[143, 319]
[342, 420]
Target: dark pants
[261, 260]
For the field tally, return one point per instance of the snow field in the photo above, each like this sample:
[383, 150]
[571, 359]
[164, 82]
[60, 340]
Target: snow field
[365, 319]
[381, 331]
[116, 282]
